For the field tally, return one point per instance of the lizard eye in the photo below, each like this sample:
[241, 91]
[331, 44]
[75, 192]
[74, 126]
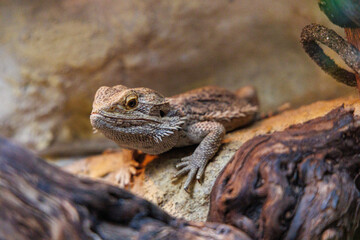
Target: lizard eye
[131, 102]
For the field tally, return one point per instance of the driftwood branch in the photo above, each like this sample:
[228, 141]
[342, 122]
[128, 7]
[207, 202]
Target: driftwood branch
[313, 33]
[301, 183]
[353, 37]
[40, 201]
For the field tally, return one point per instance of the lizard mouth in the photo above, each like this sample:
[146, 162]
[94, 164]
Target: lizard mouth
[119, 120]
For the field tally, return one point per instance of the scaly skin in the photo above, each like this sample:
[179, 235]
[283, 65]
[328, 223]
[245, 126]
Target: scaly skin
[142, 119]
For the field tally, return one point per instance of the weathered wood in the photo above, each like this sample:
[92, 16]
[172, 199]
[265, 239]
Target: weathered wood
[301, 183]
[40, 201]
[353, 37]
[313, 33]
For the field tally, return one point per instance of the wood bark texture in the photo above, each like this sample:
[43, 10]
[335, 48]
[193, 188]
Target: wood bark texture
[300, 183]
[353, 37]
[40, 201]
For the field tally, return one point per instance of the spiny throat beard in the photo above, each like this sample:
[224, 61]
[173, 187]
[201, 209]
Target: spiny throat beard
[151, 137]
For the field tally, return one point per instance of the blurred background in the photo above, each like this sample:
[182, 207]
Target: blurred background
[55, 54]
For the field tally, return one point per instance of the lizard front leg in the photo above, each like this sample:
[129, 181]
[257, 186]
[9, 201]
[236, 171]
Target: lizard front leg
[209, 134]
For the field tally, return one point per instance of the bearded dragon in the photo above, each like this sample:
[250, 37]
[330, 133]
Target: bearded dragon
[145, 120]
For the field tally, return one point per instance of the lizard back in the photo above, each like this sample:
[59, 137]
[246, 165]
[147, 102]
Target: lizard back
[232, 109]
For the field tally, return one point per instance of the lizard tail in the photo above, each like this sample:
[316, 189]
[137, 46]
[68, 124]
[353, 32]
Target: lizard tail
[282, 108]
[249, 94]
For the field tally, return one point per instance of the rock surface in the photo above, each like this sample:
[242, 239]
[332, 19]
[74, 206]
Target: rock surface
[55, 54]
[155, 183]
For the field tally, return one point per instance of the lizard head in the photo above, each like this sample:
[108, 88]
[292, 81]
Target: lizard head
[119, 112]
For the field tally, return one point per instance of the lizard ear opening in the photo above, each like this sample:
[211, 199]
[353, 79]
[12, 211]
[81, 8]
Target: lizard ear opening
[162, 113]
[164, 110]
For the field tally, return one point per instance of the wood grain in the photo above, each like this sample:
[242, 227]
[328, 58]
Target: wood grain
[40, 201]
[353, 37]
[300, 183]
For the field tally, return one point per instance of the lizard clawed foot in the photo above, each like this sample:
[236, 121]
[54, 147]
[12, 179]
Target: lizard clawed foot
[190, 166]
[123, 175]
[114, 166]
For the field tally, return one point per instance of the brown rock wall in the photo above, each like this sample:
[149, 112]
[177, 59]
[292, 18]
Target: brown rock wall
[55, 54]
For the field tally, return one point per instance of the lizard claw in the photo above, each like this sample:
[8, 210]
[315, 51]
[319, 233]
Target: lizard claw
[189, 166]
[123, 175]
[186, 159]
[182, 171]
[200, 172]
[181, 165]
[189, 179]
